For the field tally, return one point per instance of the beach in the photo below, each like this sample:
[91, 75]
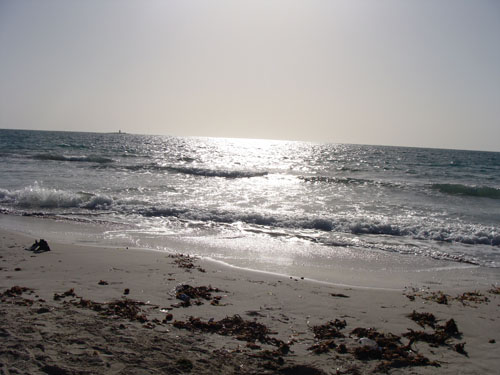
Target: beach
[90, 309]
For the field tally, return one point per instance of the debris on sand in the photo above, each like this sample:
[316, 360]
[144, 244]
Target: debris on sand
[68, 293]
[186, 262]
[187, 293]
[383, 340]
[444, 299]
[126, 308]
[475, 297]
[459, 348]
[423, 319]
[329, 330]
[323, 346]
[440, 336]
[494, 290]
[390, 352]
[403, 358]
[438, 297]
[243, 330]
[326, 333]
[339, 295]
[15, 291]
[103, 282]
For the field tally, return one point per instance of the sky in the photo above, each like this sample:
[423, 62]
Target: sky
[422, 73]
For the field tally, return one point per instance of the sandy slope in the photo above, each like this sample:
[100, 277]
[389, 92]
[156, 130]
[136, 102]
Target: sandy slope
[68, 336]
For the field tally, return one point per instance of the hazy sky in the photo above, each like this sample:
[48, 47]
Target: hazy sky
[397, 72]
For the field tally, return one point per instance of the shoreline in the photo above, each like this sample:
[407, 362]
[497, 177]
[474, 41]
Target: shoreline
[341, 267]
[43, 334]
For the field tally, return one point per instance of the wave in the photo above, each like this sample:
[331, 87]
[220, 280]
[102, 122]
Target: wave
[230, 217]
[34, 197]
[470, 191]
[460, 234]
[194, 171]
[349, 181]
[59, 157]
[335, 180]
[226, 173]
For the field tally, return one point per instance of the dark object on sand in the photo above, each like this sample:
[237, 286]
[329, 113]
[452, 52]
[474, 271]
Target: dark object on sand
[329, 330]
[423, 319]
[40, 246]
[459, 348]
[340, 295]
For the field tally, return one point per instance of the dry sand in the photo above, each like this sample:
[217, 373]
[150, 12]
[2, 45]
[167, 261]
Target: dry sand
[269, 327]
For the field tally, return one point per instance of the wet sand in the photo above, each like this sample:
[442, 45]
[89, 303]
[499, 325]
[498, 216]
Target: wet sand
[89, 310]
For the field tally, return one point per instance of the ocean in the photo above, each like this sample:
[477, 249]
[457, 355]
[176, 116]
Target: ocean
[276, 206]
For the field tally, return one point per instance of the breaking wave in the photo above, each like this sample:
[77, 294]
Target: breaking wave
[59, 157]
[465, 234]
[39, 197]
[471, 191]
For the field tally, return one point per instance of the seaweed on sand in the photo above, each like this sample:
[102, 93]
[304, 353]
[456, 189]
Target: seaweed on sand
[243, 330]
[475, 297]
[423, 319]
[440, 336]
[390, 351]
[15, 291]
[68, 293]
[186, 262]
[186, 293]
[326, 333]
[329, 330]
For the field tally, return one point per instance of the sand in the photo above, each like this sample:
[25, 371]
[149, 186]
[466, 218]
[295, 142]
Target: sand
[123, 317]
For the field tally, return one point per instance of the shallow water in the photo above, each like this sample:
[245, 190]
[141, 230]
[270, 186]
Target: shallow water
[270, 205]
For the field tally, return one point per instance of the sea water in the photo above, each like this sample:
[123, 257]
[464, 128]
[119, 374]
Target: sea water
[286, 207]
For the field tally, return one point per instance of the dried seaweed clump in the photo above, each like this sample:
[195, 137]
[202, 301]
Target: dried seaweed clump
[323, 346]
[329, 330]
[68, 293]
[440, 336]
[186, 262]
[444, 299]
[15, 291]
[423, 319]
[186, 293]
[383, 340]
[243, 330]
[389, 350]
[475, 297]
[494, 290]
[326, 333]
[438, 297]
[126, 308]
